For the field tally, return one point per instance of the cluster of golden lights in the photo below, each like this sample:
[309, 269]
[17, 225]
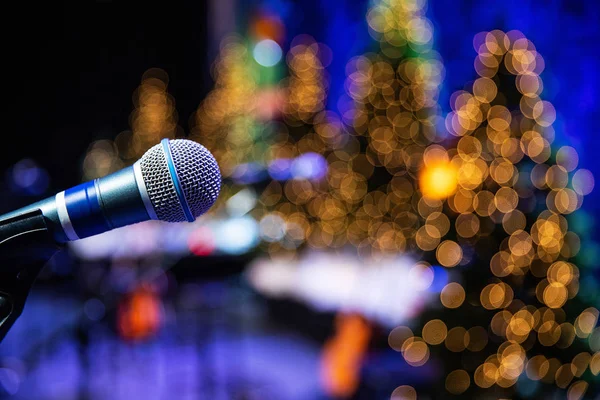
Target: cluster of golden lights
[225, 121]
[393, 118]
[153, 118]
[479, 182]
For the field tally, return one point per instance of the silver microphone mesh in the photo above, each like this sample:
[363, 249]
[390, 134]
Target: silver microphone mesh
[198, 174]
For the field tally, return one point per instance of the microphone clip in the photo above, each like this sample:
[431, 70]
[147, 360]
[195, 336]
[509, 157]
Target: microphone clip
[26, 245]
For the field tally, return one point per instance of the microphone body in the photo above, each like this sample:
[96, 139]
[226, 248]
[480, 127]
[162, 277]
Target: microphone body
[93, 207]
[174, 181]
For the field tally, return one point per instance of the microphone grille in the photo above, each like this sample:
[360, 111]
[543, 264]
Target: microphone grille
[198, 174]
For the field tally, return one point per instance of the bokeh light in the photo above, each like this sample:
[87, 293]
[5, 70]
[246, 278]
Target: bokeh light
[267, 53]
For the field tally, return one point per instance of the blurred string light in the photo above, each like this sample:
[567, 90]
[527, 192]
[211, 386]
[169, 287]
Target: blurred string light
[307, 87]
[226, 120]
[235, 119]
[101, 159]
[154, 117]
[251, 146]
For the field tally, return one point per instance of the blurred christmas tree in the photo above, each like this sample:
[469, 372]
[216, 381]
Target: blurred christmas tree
[493, 202]
[274, 134]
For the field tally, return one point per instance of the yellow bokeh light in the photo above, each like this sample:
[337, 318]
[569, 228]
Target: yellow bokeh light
[595, 363]
[449, 253]
[458, 381]
[404, 392]
[537, 367]
[577, 390]
[452, 295]
[457, 339]
[415, 351]
[398, 336]
[439, 180]
[435, 331]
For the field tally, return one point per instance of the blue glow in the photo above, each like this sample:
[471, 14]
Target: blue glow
[526, 387]
[280, 169]
[267, 53]
[237, 235]
[440, 279]
[28, 178]
[310, 166]
[249, 173]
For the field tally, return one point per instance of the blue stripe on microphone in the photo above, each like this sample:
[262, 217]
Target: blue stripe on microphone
[85, 210]
[175, 178]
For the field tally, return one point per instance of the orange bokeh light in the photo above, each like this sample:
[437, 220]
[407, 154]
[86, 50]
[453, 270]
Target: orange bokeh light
[343, 355]
[438, 180]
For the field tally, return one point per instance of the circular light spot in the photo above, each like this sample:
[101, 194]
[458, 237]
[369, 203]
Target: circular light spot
[595, 363]
[537, 367]
[452, 295]
[549, 333]
[457, 339]
[564, 375]
[580, 363]
[458, 381]
[435, 331]
[586, 322]
[567, 158]
[267, 53]
[449, 253]
[577, 390]
[583, 182]
[557, 177]
[404, 392]
[467, 225]
[544, 113]
[514, 221]
[478, 338]
[496, 295]
[398, 336]
[520, 243]
[485, 90]
[561, 272]
[506, 199]
[438, 180]
[415, 351]
[555, 295]
[485, 375]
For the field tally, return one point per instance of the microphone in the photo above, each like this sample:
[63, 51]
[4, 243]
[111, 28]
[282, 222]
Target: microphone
[176, 180]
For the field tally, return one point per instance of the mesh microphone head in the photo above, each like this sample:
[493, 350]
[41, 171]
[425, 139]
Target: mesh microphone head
[196, 173]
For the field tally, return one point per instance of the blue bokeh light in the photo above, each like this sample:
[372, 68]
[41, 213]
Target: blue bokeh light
[267, 53]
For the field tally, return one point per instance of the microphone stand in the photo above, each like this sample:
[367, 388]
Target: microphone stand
[26, 245]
